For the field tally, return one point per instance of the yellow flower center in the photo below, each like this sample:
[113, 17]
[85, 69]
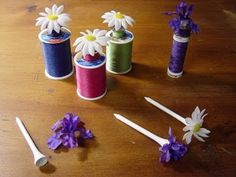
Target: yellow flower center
[52, 17]
[197, 128]
[90, 38]
[119, 15]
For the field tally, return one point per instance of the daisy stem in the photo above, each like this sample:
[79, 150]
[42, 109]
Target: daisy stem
[166, 110]
[159, 140]
[118, 34]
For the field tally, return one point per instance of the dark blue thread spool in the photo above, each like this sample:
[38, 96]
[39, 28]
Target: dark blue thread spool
[57, 54]
[178, 52]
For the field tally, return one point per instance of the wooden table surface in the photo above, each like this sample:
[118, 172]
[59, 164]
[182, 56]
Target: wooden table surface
[209, 81]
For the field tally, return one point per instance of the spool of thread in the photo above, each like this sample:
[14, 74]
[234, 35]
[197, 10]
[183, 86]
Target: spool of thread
[90, 76]
[57, 54]
[119, 53]
[178, 52]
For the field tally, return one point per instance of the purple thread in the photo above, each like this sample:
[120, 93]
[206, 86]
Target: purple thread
[177, 56]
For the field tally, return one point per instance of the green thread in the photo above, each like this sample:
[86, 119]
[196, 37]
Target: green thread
[119, 57]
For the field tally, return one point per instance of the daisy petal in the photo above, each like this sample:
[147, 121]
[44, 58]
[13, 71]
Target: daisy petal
[102, 41]
[195, 113]
[49, 11]
[43, 14]
[95, 32]
[117, 25]
[89, 32]
[202, 134]
[83, 33]
[54, 9]
[204, 116]
[50, 27]
[204, 130]
[59, 10]
[189, 121]
[198, 137]
[184, 137]
[79, 47]
[77, 41]
[124, 24]
[111, 23]
[40, 21]
[97, 47]
[44, 25]
[189, 138]
[85, 49]
[129, 20]
[107, 15]
[101, 33]
[57, 28]
[91, 49]
[186, 128]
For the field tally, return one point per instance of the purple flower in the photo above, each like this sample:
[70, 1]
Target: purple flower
[172, 150]
[183, 20]
[66, 132]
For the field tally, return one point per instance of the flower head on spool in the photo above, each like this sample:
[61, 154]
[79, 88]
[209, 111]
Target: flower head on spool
[53, 20]
[118, 21]
[90, 43]
[183, 22]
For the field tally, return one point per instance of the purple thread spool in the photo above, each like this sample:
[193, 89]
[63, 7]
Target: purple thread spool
[183, 26]
[179, 49]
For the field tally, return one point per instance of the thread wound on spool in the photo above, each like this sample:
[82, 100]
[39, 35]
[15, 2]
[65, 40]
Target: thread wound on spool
[91, 77]
[119, 53]
[57, 54]
[178, 52]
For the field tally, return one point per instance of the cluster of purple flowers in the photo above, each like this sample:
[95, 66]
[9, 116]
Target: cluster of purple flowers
[172, 150]
[68, 132]
[183, 20]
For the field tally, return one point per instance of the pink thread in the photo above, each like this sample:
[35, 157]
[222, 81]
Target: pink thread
[91, 83]
[91, 58]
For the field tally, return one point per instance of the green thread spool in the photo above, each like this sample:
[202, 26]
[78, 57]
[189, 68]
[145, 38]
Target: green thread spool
[119, 53]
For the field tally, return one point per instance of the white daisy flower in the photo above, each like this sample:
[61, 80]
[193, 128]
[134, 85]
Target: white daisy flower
[194, 126]
[117, 20]
[91, 42]
[53, 19]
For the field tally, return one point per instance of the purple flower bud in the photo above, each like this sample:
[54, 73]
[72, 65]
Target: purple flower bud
[172, 150]
[65, 132]
[183, 22]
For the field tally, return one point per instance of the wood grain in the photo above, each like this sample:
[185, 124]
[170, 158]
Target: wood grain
[209, 81]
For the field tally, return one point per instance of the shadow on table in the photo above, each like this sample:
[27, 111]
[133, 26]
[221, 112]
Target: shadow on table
[86, 148]
[48, 168]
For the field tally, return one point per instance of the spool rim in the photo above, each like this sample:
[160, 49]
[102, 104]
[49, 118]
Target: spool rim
[174, 75]
[45, 30]
[59, 78]
[124, 72]
[181, 39]
[91, 99]
[119, 42]
[79, 55]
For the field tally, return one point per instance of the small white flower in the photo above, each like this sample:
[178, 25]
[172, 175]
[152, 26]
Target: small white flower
[117, 20]
[91, 42]
[53, 19]
[193, 126]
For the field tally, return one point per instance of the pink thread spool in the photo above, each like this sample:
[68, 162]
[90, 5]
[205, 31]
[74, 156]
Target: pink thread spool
[90, 76]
